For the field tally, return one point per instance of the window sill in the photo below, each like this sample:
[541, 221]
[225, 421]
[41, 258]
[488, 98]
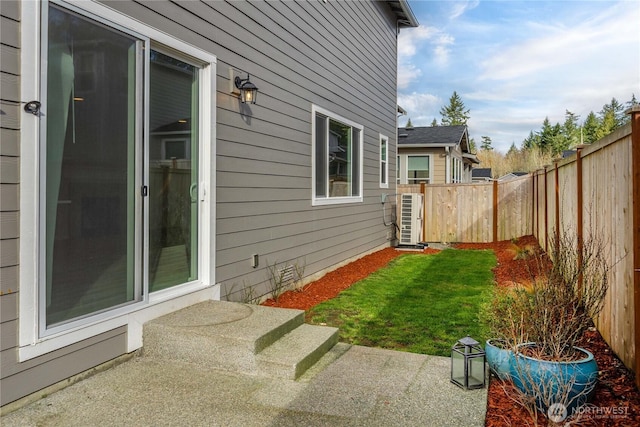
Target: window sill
[336, 201]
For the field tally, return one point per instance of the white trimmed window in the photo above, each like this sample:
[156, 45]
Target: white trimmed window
[418, 169]
[384, 164]
[337, 158]
[456, 170]
[111, 212]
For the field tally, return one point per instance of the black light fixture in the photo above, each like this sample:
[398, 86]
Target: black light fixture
[467, 364]
[248, 91]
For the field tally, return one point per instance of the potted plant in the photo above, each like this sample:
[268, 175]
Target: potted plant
[503, 314]
[543, 322]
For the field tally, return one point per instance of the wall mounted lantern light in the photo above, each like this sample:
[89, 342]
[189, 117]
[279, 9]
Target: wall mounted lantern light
[248, 91]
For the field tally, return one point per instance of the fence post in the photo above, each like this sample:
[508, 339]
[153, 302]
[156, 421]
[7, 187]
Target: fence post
[557, 199]
[495, 210]
[580, 207]
[534, 205]
[546, 213]
[423, 191]
[635, 171]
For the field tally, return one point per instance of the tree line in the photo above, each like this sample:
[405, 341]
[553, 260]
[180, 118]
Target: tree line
[541, 146]
[555, 139]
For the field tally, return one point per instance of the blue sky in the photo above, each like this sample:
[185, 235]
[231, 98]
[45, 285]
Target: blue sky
[514, 63]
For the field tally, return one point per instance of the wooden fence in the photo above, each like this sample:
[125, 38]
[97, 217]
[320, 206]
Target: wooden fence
[593, 193]
[479, 212]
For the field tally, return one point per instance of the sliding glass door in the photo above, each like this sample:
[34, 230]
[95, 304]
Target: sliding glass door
[119, 168]
[93, 76]
[173, 172]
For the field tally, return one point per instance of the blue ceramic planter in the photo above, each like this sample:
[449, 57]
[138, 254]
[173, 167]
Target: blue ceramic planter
[570, 384]
[498, 358]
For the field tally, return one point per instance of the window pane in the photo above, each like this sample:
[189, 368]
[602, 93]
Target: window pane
[418, 169]
[173, 172]
[340, 155]
[355, 164]
[383, 161]
[90, 145]
[321, 155]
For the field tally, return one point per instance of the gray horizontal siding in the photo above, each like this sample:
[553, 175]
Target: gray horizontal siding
[19, 380]
[9, 279]
[298, 54]
[10, 142]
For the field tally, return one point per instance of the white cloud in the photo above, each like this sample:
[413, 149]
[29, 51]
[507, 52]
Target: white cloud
[441, 49]
[408, 40]
[459, 8]
[407, 74]
[422, 108]
[553, 46]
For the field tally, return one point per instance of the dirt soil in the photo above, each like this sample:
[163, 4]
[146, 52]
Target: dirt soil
[616, 401]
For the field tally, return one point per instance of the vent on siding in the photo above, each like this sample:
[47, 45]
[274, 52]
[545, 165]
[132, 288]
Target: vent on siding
[286, 274]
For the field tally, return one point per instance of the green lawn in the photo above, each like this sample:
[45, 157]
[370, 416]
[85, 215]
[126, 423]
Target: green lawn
[418, 303]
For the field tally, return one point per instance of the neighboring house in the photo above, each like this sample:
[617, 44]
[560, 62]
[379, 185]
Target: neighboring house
[434, 155]
[511, 175]
[141, 185]
[481, 174]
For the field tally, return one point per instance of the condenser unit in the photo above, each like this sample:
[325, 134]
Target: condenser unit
[411, 208]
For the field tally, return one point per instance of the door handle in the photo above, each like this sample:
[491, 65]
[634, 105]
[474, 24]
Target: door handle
[191, 190]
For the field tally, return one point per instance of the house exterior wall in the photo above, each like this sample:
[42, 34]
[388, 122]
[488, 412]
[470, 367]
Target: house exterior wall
[264, 160]
[438, 157]
[299, 54]
[441, 173]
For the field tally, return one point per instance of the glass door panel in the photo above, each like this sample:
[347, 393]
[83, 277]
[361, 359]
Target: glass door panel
[89, 192]
[173, 172]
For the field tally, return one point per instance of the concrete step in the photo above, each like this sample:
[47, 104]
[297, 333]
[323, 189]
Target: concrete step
[293, 354]
[238, 337]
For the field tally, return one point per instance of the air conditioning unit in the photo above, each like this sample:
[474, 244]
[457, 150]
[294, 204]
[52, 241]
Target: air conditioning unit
[411, 208]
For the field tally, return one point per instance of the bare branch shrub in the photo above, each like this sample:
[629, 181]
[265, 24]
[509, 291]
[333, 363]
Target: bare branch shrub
[247, 292]
[567, 293]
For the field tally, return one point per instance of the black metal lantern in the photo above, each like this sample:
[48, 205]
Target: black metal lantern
[248, 91]
[467, 364]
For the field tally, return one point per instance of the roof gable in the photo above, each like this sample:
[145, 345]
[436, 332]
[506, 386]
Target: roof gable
[434, 135]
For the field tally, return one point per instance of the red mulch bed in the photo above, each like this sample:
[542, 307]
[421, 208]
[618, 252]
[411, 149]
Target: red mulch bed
[615, 392]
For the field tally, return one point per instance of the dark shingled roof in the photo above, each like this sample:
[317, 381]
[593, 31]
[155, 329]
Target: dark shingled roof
[481, 173]
[431, 135]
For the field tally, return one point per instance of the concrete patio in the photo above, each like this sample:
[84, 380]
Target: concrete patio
[347, 386]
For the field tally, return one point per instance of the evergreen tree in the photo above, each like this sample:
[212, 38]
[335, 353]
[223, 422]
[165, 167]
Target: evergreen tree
[607, 123]
[472, 146]
[613, 114]
[590, 128]
[434, 123]
[570, 131]
[454, 113]
[486, 143]
[533, 140]
[408, 125]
